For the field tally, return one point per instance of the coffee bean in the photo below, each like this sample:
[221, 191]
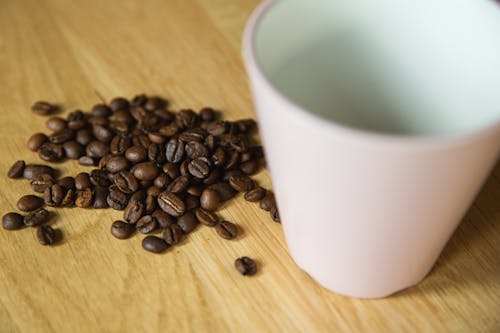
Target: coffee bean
[175, 150]
[178, 185]
[32, 170]
[117, 199]
[245, 266]
[51, 152]
[154, 244]
[169, 130]
[268, 202]
[119, 103]
[162, 181]
[53, 195]
[226, 230]
[76, 120]
[171, 203]
[100, 197]
[43, 108]
[99, 178]
[193, 135]
[229, 173]
[255, 195]
[134, 211]
[102, 133]
[82, 181]
[136, 154]
[126, 182]
[196, 149]
[217, 128]
[210, 142]
[241, 183]
[116, 164]
[171, 169]
[46, 235]
[146, 171]
[199, 167]
[207, 114]
[84, 136]
[67, 182]
[249, 167]
[12, 221]
[275, 215]
[213, 177]
[195, 190]
[122, 117]
[122, 230]
[184, 168]
[119, 145]
[153, 191]
[153, 103]
[187, 222]
[84, 198]
[73, 150]
[163, 220]
[210, 199]
[97, 149]
[156, 153]
[29, 203]
[36, 217]
[192, 202]
[87, 161]
[36, 140]
[186, 118]
[219, 157]
[172, 234]
[62, 136]
[17, 169]
[139, 100]
[101, 110]
[146, 224]
[224, 190]
[232, 161]
[103, 161]
[206, 217]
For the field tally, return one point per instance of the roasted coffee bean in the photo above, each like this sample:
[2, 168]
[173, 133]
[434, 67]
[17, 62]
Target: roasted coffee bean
[162, 180]
[169, 130]
[232, 161]
[32, 170]
[76, 120]
[100, 197]
[184, 168]
[146, 224]
[275, 215]
[268, 202]
[134, 211]
[241, 183]
[150, 203]
[210, 142]
[53, 195]
[46, 235]
[224, 190]
[175, 150]
[157, 138]
[255, 195]
[103, 161]
[249, 167]
[62, 136]
[154, 191]
[187, 222]
[17, 169]
[139, 100]
[29, 203]
[121, 117]
[117, 199]
[119, 103]
[122, 230]
[186, 118]
[226, 230]
[229, 173]
[119, 145]
[178, 185]
[84, 198]
[194, 190]
[153, 103]
[154, 244]
[139, 113]
[136, 154]
[207, 114]
[172, 170]
[156, 153]
[51, 152]
[245, 157]
[199, 167]
[206, 217]
[41, 182]
[101, 110]
[172, 234]
[43, 108]
[73, 150]
[195, 149]
[82, 181]
[87, 161]
[192, 202]
[163, 220]
[99, 178]
[146, 171]
[36, 141]
[245, 266]
[126, 182]
[98, 121]
[210, 199]
[145, 183]
[102, 133]
[141, 141]
[97, 149]
[171, 203]
[194, 134]
[219, 157]
[213, 177]
[12, 221]
[36, 217]
[69, 198]
[217, 128]
[116, 164]
[67, 182]
[84, 136]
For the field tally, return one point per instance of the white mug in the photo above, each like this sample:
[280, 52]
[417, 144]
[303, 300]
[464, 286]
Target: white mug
[380, 121]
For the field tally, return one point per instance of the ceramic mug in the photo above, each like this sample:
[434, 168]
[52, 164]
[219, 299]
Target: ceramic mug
[380, 121]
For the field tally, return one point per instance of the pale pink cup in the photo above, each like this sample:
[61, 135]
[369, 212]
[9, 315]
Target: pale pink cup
[367, 203]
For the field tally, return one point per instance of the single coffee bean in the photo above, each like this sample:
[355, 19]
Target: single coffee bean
[171, 203]
[275, 215]
[154, 244]
[146, 171]
[98, 121]
[29, 203]
[99, 178]
[73, 150]
[126, 182]
[12, 221]
[217, 128]
[210, 199]
[103, 161]
[163, 220]
[210, 142]
[241, 183]
[117, 199]
[122, 230]
[67, 182]
[153, 191]
[36, 140]
[119, 145]
[32, 170]
[84, 198]
[40, 183]
[82, 181]
[136, 154]
[194, 190]
[195, 134]
[146, 224]
[51, 152]
[116, 164]
[255, 195]
[134, 211]
[69, 198]
[169, 130]
[87, 161]
[17, 169]
[53, 195]
[153, 103]
[268, 202]
[226, 230]
[100, 197]
[184, 168]
[97, 149]
[199, 167]
[186, 118]
[196, 149]
[187, 222]
[62, 136]
[119, 103]
[101, 110]
[207, 114]
[162, 180]
[102, 133]
[172, 170]
[121, 117]
[178, 185]
[224, 190]
[46, 235]
[139, 100]
[192, 202]
[249, 167]
[156, 153]
[213, 177]
[36, 217]
[245, 266]
[76, 120]
[175, 150]
[232, 161]
[172, 234]
[43, 108]
[246, 125]
[157, 138]
[206, 217]
[84, 136]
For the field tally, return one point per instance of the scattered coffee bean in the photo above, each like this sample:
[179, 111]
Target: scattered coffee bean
[210, 199]
[146, 224]
[134, 211]
[36, 141]
[136, 154]
[16, 170]
[268, 202]
[122, 230]
[116, 164]
[171, 204]
[54, 195]
[255, 195]
[206, 217]
[245, 266]
[188, 222]
[154, 244]
[146, 171]
[36, 218]
[99, 177]
[100, 197]
[46, 235]
[32, 170]
[275, 215]
[178, 185]
[199, 167]
[73, 150]
[29, 203]
[84, 198]
[175, 150]
[82, 181]
[241, 183]
[163, 220]
[226, 230]
[62, 136]
[12, 221]
[51, 152]
[43, 108]
[87, 161]
[224, 190]
[172, 234]
[117, 199]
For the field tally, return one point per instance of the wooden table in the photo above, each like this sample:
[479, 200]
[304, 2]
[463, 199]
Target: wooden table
[188, 51]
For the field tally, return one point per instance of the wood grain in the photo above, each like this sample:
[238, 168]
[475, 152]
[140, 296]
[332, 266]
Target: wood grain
[188, 51]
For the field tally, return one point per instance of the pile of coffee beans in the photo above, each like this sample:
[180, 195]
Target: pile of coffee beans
[168, 171]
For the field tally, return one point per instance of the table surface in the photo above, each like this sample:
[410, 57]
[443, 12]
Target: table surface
[188, 51]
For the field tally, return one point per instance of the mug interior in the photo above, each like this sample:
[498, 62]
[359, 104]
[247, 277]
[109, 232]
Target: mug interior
[395, 66]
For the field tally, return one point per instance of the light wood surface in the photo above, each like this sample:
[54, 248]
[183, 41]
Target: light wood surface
[188, 51]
